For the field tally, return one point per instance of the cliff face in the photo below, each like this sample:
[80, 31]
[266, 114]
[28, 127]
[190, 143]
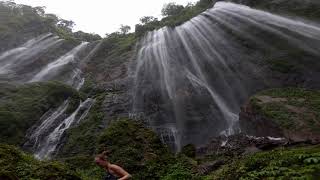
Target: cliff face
[290, 113]
[106, 67]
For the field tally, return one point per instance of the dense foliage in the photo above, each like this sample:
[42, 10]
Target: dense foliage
[136, 148]
[17, 165]
[21, 106]
[113, 53]
[296, 163]
[17, 20]
[293, 109]
[132, 145]
[173, 15]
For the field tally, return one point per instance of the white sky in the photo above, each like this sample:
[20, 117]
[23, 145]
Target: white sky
[102, 16]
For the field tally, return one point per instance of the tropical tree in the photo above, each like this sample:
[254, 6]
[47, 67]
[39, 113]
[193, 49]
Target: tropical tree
[171, 9]
[124, 29]
[148, 19]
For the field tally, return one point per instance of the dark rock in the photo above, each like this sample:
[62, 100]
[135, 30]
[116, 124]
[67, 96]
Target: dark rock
[289, 112]
[239, 144]
[253, 123]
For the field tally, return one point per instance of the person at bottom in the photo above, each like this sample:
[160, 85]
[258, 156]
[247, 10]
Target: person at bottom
[114, 172]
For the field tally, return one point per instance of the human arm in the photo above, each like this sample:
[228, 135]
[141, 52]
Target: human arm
[124, 175]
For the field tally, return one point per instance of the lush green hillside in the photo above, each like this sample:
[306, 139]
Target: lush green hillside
[141, 152]
[291, 163]
[17, 165]
[21, 106]
[175, 14]
[291, 108]
[288, 112]
[134, 147]
[19, 23]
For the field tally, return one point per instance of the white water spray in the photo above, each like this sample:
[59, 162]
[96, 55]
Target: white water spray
[52, 69]
[197, 75]
[47, 136]
[27, 53]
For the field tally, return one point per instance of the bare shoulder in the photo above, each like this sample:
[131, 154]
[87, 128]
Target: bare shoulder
[114, 166]
[118, 170]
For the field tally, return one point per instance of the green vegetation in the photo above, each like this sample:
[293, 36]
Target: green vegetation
[114, 52]
[118, 43]
[140, 151]
[283, 66]
[136, 148]
[297, 163]
[132, 146]
[291, 108]
[150, 163]
[21, 106]
[17, 19]
[174, 15]
[85, 167]
[17, 165]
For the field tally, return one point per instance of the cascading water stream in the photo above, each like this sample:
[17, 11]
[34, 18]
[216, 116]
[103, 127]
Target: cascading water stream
[53, 69]
[45, 139]
[192, 79]
[25, 54]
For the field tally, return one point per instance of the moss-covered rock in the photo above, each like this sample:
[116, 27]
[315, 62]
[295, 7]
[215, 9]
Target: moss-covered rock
[289, 112]
[109, 63]
[17, 165]
[296, 163]
[21, 106]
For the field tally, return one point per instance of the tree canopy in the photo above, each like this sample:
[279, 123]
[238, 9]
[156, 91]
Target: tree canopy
[33, 20]
[124, 29]
[171, 9]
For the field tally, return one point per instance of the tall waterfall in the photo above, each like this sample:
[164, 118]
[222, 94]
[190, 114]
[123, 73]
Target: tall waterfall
[54, 68]
[45, 138]
[190, 81]
[26, 53]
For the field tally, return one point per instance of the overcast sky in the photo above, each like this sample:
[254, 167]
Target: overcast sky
[102, 16]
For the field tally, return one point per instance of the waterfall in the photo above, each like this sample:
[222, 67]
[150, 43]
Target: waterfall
[45, 139]
[52, 69]
[26, 53]
[76, 80]
[191, 80]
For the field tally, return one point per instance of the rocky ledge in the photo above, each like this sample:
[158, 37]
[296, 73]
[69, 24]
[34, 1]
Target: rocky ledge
[290, 113]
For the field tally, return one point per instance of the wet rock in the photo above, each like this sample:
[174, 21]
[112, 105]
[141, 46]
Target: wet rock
[253, 123]
[290, 113]
[239, 144]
